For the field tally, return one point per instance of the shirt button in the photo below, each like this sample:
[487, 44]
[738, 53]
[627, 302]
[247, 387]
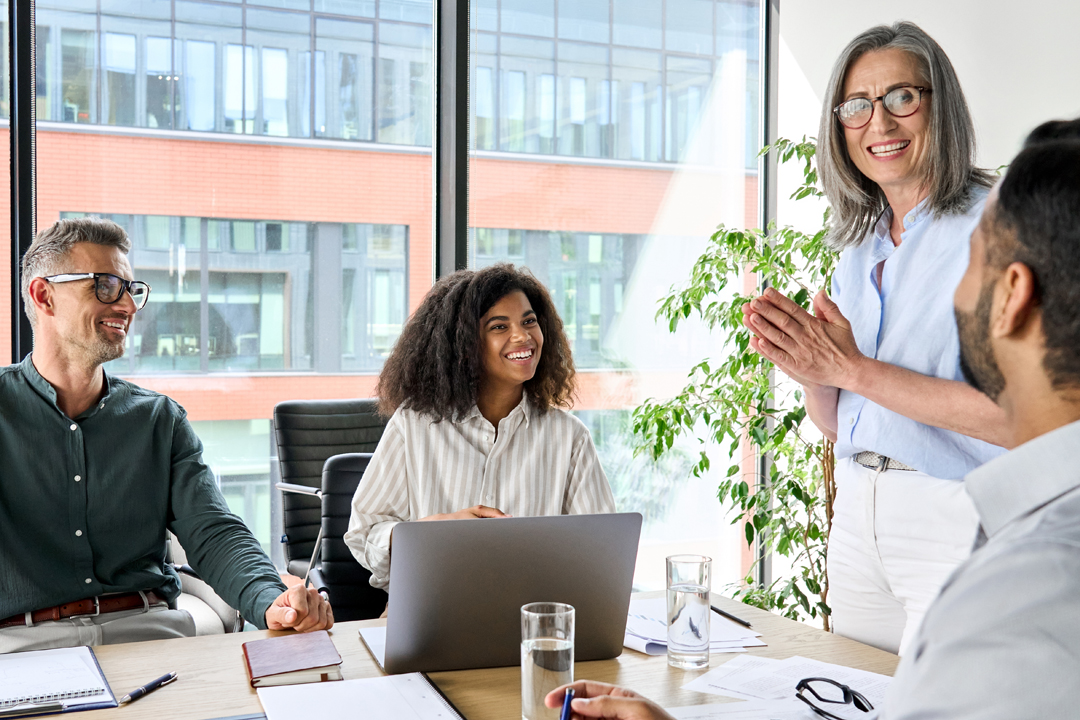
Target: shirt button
[74, 426]
[851, 421]
[101, 405]
[78, 533]
[78, 478]
[88, 581]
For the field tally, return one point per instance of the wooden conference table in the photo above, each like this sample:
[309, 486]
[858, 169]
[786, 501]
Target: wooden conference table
[213, 683]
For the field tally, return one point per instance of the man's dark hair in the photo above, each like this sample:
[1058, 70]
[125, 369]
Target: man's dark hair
[435, 366]
[1036, 221]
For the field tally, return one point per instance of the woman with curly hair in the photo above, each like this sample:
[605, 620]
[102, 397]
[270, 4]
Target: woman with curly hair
[475, 389]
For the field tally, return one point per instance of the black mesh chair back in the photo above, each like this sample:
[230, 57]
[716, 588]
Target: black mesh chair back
[308, 432]
[345, 580]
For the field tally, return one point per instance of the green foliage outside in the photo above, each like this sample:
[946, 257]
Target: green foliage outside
[789, 511]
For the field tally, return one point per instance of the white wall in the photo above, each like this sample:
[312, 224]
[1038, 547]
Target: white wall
[1018, 60]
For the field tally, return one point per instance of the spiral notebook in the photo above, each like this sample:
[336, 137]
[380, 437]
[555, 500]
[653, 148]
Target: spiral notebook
[394, 697]
[52, 681]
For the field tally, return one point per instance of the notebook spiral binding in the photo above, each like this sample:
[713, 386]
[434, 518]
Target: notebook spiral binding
[442, 696]
[49, 697]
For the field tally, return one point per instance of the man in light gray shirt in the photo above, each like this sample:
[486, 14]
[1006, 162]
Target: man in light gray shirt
[1002, 640]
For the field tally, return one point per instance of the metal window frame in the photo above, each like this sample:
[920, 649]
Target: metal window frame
[23, 117]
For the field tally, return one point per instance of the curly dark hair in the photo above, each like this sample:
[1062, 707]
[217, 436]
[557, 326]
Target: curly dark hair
[435, 366]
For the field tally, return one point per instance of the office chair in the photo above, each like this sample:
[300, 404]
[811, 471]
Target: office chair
[332, 568]
[308, 432]
[211, 614]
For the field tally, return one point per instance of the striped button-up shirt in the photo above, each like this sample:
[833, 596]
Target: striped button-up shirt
[537, 464]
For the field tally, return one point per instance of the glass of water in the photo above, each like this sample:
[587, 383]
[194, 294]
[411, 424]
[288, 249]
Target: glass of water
[688, 584]
[547, 656]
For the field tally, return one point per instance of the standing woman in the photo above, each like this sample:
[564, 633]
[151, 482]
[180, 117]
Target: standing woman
[879, 361]
[475, 388]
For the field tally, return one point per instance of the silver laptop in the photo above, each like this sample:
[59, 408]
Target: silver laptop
[457, 587]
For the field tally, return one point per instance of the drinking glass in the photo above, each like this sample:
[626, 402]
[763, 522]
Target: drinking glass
[547, 656]
[688, 583]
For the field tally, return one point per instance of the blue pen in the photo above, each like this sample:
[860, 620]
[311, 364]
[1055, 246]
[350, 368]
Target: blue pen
[566, 704]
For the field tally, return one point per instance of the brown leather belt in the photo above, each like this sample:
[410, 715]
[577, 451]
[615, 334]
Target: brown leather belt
[90, 606]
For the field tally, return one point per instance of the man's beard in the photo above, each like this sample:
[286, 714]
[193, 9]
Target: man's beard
[976, 356]
[99, 349]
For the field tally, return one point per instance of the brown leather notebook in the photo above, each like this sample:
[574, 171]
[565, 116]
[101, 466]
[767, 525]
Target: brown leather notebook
[292, 659]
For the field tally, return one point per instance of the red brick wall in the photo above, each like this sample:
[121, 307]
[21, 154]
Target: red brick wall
[109, 173]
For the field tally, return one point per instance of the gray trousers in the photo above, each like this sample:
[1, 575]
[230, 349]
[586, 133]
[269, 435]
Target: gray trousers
[155, 622]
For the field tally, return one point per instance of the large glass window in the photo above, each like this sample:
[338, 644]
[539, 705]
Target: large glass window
[647, 111]
[281, 268]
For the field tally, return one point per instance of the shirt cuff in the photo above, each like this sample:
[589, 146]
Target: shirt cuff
[377, 553]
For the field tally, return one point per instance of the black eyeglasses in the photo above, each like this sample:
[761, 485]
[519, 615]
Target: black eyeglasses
[898, 102]
[831, 692]
[109, 288]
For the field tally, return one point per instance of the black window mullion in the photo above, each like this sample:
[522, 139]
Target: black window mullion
[450, 154]
[21, 63]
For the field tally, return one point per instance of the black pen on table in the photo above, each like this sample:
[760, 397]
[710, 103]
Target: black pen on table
[148, 688]
[729, 616]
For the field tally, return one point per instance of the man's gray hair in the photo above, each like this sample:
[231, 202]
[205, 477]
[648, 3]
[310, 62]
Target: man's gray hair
[48, 254]
[949, 172]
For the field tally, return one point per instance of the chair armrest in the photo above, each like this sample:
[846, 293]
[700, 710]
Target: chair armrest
[316, 578]
[193, 585]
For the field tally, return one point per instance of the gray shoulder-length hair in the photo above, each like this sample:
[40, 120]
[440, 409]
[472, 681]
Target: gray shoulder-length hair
[950, 173]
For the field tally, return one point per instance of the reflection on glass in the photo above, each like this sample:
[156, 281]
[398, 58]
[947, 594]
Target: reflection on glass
[238, 295]
[529, 17]
[344, 68]
[239, 88]
[198, 85]
[404, 94]
[275, 96]
[638, 23]
[77, 76]
[159, 82]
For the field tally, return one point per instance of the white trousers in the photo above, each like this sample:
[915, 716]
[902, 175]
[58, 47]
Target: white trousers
[896, 537]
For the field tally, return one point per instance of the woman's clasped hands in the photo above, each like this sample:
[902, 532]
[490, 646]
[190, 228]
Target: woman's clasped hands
[814, 350]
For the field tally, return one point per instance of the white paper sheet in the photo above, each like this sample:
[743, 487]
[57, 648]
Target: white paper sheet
[646, 630]
[766, 679]
[749, 710]
[650, 647]
[397, 697]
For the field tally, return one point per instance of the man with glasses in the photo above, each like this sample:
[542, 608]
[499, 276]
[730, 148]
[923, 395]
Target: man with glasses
[94, 470]
[1002, 639]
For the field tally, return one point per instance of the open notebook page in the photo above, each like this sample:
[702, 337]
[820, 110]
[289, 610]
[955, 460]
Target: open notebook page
[70, 675]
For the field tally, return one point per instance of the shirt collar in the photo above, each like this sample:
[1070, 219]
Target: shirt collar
[1020, 482]
[525, 407]
[45, 389]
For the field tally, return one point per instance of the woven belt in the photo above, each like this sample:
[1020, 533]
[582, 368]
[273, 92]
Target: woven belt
[90, 606]
[875, 461]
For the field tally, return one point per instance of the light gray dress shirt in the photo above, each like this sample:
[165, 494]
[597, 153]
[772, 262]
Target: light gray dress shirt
[539, 464]
[1003, 638]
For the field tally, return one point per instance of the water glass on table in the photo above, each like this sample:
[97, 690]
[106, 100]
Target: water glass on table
[688, 584]
[547, 656]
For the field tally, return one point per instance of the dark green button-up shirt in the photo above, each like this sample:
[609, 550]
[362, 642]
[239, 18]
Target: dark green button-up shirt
[84, 503]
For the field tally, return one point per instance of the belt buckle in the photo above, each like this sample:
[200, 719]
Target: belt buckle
[883, 464]
[97, 609]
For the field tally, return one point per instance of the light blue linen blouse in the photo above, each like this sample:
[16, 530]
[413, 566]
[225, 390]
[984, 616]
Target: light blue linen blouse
[908, 322]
